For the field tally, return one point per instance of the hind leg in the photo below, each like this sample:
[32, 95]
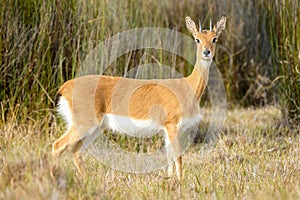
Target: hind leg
[68, 138]
[91, 135]
[77, 158]
[59, 146]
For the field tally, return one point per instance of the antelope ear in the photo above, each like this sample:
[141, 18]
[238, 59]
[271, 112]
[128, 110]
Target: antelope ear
[220, 26]
[191, 26]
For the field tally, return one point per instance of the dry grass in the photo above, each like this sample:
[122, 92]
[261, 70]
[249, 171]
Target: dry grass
[257, 157]
[43, 44]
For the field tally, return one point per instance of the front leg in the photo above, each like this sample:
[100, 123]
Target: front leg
[173, 150]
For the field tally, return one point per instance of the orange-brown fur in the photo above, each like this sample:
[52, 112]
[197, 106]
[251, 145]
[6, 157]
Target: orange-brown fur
[165, 101]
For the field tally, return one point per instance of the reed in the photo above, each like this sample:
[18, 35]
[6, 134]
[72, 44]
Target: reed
[285, 40]
[43, 43]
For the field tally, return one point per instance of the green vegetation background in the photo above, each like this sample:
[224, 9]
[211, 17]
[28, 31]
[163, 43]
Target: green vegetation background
[42, 44]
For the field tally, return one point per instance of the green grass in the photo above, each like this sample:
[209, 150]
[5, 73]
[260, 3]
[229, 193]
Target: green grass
[257, 157]
[285, 39]
[43, 44]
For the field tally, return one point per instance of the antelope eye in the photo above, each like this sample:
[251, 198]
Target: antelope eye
[197, 40]
[214, 40]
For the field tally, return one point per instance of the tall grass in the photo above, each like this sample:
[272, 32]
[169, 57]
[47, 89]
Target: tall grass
[285, 38]
[43, 43]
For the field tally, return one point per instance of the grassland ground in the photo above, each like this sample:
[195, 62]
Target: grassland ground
[256, 157]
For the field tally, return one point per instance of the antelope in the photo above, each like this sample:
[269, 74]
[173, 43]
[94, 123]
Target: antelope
[135, 105]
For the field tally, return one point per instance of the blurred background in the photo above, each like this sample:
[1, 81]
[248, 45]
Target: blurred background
[43, 43]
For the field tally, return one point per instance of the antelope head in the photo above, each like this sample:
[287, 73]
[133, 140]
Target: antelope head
[206, 39]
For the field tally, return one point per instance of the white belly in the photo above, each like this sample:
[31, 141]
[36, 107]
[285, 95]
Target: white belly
[142, 128]
[130, 126]
[126, 125]
[187, 123]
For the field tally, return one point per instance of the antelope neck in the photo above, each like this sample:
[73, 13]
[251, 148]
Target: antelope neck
[199, 77]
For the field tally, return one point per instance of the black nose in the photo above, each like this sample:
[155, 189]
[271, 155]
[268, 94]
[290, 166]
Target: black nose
[206, 52]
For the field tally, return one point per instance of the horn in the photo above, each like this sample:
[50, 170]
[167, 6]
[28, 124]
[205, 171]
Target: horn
[210, 25]
[200, 26]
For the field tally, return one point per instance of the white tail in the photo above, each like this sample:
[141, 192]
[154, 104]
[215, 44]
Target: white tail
[133, 106]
